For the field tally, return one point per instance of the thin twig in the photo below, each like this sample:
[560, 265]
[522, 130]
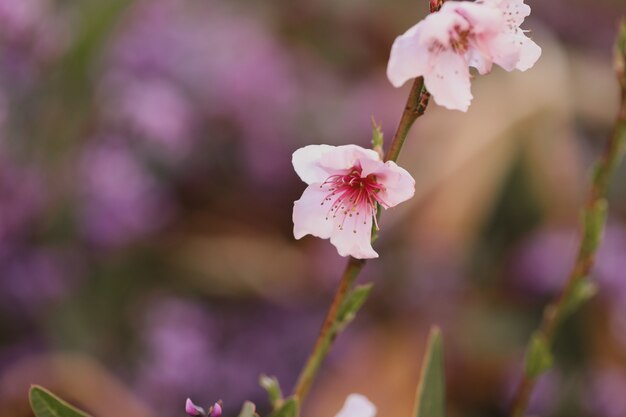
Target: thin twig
[593, 219]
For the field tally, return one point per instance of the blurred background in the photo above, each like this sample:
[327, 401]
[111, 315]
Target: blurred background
[146, 189]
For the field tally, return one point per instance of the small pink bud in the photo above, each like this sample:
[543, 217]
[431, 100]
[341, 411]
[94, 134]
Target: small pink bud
[192, 409]
[216, 410]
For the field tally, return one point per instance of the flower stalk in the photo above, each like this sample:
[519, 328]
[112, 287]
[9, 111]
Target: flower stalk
[577, 288]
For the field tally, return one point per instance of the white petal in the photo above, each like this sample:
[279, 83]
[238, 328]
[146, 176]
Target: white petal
[529, 53]
[515, 11]
[505, 50]
[408, 57]
[357, 405]
[309, 214]
[352, 235]
[478, 61]
[346, 157]
[306, 162]
[448, 80]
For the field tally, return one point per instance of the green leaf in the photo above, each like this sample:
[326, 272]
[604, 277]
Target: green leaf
[352, 304]
[594, 219]
[46, 404]
[248, 410]
[538, 356]
[377, 137]
[290, 408]
[271, 385]
[431, 390]
[582, 290]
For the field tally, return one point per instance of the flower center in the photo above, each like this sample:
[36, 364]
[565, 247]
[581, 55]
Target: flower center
[351, 196]
[459, 40]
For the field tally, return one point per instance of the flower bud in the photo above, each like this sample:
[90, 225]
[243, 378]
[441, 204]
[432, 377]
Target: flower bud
[193, 410]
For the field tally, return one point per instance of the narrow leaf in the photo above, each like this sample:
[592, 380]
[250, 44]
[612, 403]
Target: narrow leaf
[46, 404]
[582, 290]
[431, 390]
[352, 304]
[290, 408]
[377, 138]
[271, 385]
[538, 356]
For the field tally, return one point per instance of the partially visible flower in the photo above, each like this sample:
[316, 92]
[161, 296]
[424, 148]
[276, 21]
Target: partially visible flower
[193, 410]
[346, 183]
[443, 46]
[357, 405]
[604, 394]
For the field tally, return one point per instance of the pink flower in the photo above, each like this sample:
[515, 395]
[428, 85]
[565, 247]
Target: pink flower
[357, 405]
[345, 185]
[443, 46]
[192, 409]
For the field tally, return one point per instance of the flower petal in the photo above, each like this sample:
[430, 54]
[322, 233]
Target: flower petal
[529, 53]
[448, 80]
[357, 405]
[346, 157]
[408, 57]
[399, 184]
[352, 234]
[306, 162]
[310, 213]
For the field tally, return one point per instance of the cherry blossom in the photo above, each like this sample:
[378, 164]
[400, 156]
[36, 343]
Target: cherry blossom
[357, 405]
[444, 45]
[346, 183]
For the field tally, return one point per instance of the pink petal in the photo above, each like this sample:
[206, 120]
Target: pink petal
[192, 409]
[448, 80]
[306, 162]
[482, 19]
[357, 405]
[399, 184]
[310, 215]
[408, 57]
[436, 27]
[352, 236]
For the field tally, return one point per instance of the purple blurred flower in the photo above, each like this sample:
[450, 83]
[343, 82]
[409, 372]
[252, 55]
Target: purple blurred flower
[544, 399]
[156, 112]
[122, 202]
[544, 260]
[31, 279]
[233, 69]
[604, 396]
[192, 351]
[30, 34]
[22, 200]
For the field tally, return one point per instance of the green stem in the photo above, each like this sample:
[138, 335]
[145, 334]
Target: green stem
[593, 227]
[329, 330]
[415, 107]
